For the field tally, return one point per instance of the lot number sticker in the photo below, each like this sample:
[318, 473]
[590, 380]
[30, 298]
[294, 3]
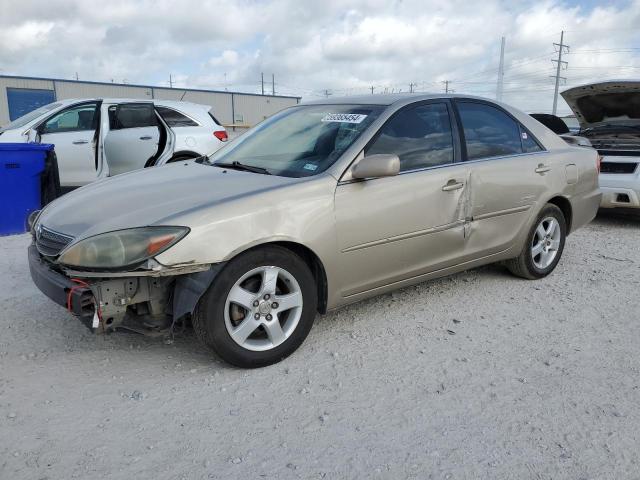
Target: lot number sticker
[344, 117]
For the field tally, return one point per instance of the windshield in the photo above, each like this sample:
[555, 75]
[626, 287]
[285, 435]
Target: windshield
[299, 141]
[29, 117]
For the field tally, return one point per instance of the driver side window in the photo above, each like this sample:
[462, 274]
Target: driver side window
[421, 137]
[74, 119]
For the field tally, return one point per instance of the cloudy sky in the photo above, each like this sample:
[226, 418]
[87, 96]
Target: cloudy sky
[339, 47]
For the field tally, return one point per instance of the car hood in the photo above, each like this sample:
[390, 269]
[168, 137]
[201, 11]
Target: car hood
[605, 102]
[154, 196]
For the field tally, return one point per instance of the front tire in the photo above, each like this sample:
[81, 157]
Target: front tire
[259, 309]
[544, 245]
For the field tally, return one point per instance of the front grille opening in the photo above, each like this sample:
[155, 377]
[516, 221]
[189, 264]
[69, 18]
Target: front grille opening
[623, 198]
[50, 243]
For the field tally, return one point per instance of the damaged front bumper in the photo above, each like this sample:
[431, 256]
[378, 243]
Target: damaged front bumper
[146, 301]
[60, 289]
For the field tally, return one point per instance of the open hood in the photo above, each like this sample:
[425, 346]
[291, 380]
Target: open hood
[615, 101]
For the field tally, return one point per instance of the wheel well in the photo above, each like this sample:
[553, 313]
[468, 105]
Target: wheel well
[315, 265]
[564, 205]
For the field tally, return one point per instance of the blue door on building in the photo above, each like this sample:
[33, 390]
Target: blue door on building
[24, 100]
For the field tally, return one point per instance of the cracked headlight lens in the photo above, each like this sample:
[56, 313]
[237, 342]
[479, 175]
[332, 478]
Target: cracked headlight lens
[122, 248]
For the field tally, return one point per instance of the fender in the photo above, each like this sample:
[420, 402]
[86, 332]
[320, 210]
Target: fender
[189, 289]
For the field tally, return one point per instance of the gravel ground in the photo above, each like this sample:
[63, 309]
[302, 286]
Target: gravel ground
[478, 375]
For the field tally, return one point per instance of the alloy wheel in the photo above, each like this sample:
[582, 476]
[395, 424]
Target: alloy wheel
[545, 243]
[263, 308]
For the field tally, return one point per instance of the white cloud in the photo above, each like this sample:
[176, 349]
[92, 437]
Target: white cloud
[345, 46]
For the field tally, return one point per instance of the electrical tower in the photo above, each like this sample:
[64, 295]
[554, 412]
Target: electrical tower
[560, 65]
[446, 86]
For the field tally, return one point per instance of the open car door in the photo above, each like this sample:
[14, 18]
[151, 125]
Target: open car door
[133, 138]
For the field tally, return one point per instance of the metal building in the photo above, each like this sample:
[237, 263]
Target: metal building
[237, 111]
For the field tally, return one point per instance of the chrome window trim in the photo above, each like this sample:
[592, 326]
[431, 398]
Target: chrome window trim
[446, 165]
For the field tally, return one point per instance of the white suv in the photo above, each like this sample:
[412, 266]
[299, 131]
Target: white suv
[609, 116]
[100, 137]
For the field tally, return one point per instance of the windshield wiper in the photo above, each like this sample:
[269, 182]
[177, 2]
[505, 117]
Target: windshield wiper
[242, 166]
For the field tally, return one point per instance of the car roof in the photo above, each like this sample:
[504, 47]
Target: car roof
[389, 99]
[157, 101]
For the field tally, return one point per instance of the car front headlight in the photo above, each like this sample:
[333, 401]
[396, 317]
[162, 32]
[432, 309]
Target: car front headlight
[122, 248]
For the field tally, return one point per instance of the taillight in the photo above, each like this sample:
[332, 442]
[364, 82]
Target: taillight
[221, 135]
[598, 162]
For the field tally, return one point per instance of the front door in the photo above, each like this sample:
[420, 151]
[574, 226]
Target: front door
[394, 228]
[133, 137]
[73, 132]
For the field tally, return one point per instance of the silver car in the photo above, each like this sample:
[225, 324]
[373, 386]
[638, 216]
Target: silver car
[100, 137]
[322, 205]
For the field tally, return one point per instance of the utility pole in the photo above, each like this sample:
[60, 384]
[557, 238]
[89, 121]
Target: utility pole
[446, 86]
[372, 87]
[77, 76]
[499, 87]
[170, 81]
[560, 65]
[411, 85]
[327, 93]
[273, 84]
[262, 82]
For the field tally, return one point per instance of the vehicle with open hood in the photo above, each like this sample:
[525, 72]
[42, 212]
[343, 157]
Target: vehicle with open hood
[609, 117]
[321, 205]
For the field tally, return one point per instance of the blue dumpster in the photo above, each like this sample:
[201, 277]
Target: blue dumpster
[21, 165]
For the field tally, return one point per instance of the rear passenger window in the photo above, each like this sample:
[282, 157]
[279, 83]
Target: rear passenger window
[529, 145]
[488, 131]
[420, 136]
[132, 115]
[174, 118]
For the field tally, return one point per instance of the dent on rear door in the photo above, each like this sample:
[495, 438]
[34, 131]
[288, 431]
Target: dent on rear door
[504, 194]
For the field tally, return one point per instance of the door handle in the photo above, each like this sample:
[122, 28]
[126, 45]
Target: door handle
[452, 185]
[146, 137]
[542, 168]
[80, 142]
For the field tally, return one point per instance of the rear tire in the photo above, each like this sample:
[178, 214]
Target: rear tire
[544, 245]
[259, 309]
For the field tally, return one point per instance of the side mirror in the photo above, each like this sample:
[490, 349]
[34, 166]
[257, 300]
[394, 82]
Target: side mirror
[376, 166]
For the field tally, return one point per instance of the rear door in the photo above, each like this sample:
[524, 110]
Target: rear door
[395, 228]
[509, 174]
[73, 132]
[133, 137]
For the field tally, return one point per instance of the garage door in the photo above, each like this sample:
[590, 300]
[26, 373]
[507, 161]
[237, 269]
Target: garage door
[24, 100]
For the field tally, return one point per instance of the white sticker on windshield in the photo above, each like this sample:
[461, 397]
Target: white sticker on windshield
[344, 117]
[310, 166]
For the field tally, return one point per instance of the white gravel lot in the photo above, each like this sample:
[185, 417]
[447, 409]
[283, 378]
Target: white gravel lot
[537, 380]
